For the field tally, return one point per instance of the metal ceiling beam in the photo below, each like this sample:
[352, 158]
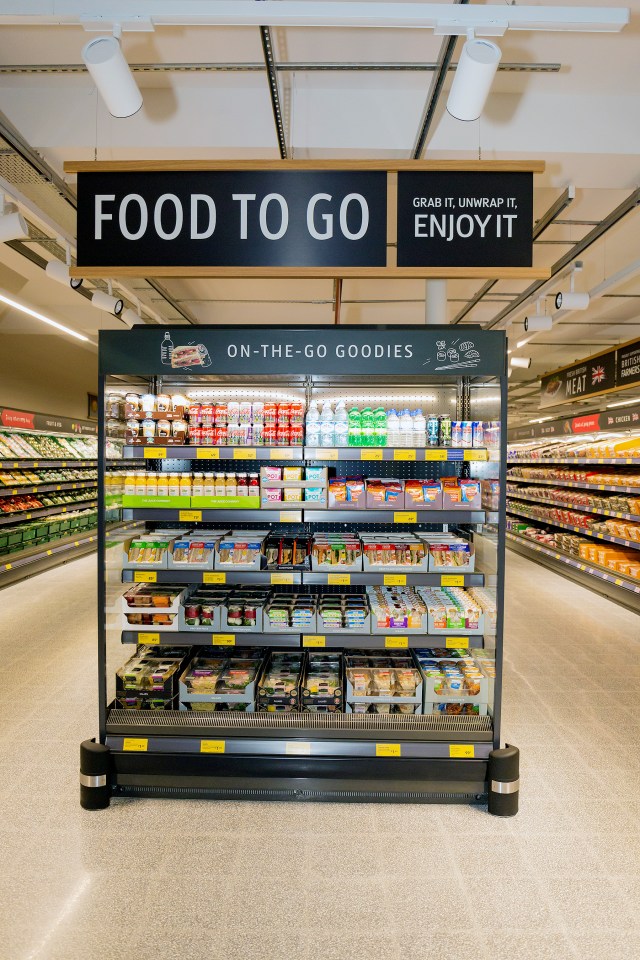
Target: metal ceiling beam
[274, 93]
[28, 69]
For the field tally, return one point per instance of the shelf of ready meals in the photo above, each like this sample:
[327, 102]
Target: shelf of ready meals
[614, 531]
[613, 450]
[584, 503]
[603, 480]
[152, 451]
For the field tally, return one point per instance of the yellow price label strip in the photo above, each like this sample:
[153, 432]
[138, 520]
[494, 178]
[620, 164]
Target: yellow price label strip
[405, 516]
[216, 577]
[281, 453]
[462, 751]
[149, 638]
[155, 453]
[371, 455]
[224, 640]
[397, 643]
[452, 580]
[207, 453]
[245, 453]
[311, 640]
[190, 516]
[295, 748]
[145, 576]
[395, 579]
[281, 578]
[328, 453]
[404, 454]
[476, 454]
[339, 579]
[291, 516]
[435, 454]
[388, 749]
[212, 746]
[8, 566]
[457, 642]
[135, 744]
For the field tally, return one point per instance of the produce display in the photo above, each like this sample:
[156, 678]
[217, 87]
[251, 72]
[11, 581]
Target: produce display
[29, 501]
[46, 530]
[33, 477]
[15, 445]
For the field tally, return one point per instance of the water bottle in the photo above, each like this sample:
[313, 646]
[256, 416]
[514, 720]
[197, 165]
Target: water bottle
[380, 427]
[355, 427]
[367, 426]
[406, 428]
[312, 425]
[313, 414]
[393, 429]
[419, 429]
[327, 412]
[327, 433]
[341, 422]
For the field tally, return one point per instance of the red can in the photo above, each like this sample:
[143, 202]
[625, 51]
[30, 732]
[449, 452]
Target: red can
[270, 412]
[220, 413]
[270, 434]
[207, 412]
[296, 431]
[207, 435]
[284, 412]
[194, 413]
[220, 437]
[296, 412]
[283, 435]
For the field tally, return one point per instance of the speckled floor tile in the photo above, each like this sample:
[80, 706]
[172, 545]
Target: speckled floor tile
[538, 946]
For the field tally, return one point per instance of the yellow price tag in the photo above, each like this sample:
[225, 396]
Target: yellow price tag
[455, 642]
[155, 453]
[281, 453]
[149, 638]
[397, 643]
[224, 640]
[405, 516]
[145, 576]
[214, 577]
[404, 454]
[330, 453]
[435, 454]
[49, 552]
[135, 744]
[297, 748]
[281, 578]
[339, 579]
[212, 746]
[8, 566]
[395, 579]
[618, 583]
[462, 751]
[388, 749]
[476, 454]
[314, 641]
[371, 455]
[245, 453]
[291, 516]
[452, 580]
[207, 453]
[190, 516]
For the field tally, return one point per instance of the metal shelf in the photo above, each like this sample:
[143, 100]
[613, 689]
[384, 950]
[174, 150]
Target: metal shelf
[48, 487]
[275, 577]
[199, 452]
[12, 464]
[444, 454]
[50, 554]
[20, 515]
[206, 638]
[395, 578]
[615, 461]
[572, 506]
[214, 576]
[634, 545]
[308, 516]
[214, 516]
[578, 484]
[364, 641]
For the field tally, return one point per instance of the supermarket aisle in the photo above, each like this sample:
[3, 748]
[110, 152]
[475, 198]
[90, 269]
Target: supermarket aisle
[209, 880]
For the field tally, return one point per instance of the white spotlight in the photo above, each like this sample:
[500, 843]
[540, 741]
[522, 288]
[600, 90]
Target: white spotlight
[131, 318]
[473, 78]
[569, 300]
[521, 362]
[102, 301]
[58, 271]
[12, 223]
[538, 322]
[112, 76]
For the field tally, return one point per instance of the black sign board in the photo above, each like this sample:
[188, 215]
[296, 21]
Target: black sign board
[628, 364]
[586, 379]
[27, 420]
[261, 218]
[319, 350]
[471, 219]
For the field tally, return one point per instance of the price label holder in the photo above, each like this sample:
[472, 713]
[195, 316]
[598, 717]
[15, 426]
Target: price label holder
[455, 642]
[395, 579]
[145, 576]
[281, 453]
[326, 453]
[452, 580]
[135, 744]
[207, 453]
[297, 748]
[281, 578]
[245, 453]
[405, 516]
[396, 643]
[388, 749]
[223, 640]
[190, 516]
[339, 579]
[155, 453]
[476, 454]
[149, 638]
[311, 640]
[212, 746]
[435, 454]
[291, 516]
[462, 751]
[215, 577]
[371, 455]
[404, 454]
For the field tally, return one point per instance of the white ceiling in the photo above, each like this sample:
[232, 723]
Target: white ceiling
[584, 121]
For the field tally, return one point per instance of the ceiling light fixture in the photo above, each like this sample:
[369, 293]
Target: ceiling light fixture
[622, 403]
[58, 271]
[12, 224]
[40, 316]
[569, 299]
[522, 363]
[540, 320]
[107, 302]
[474, 75]
[540, 419]
[112, 76]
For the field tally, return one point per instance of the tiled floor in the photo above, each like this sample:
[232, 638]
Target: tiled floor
[149, 880]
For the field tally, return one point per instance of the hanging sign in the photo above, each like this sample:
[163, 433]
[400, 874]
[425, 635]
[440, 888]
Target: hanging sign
[455, 219]
[588, 378]
[26, 420]
[240, 218]
[628, 364]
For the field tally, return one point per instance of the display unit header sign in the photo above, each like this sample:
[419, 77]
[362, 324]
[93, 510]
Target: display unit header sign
[240, 218]
[253, 351]
[454, 219]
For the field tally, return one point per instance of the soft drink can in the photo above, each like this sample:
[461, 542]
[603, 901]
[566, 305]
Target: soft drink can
[207, 414]
[432, 430]
[194, 413]
[284, 412]
[220, 436]
[270, 434]
[220, 413]
[456, 433]
[245, 412]
[283, 435]
[258, 434]
[445, 430]
[296, 411]
[270, 412]
[297, 432]
[467, 433]
[478, 433]
[207, 434]
[194, 432]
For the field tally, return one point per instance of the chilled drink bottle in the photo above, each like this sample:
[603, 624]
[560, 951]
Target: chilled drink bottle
[354, 427]
[433, 430]
[380, 427]
[445, 431]
[367, 426]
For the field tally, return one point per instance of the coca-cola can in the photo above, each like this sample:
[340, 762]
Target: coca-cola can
[297, 433]
[207, 414]
[194, 413]
[283, 435]
[207, 434]
[220, 437]
[195, 433]
[258, 434]
[270, 434]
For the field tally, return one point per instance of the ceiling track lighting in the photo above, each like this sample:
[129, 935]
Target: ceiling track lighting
[569, 299]
[12, 224]
[521, 363]
[112, 75]
[540, 321]
[107, 302]
[473, 78]
[58, 271]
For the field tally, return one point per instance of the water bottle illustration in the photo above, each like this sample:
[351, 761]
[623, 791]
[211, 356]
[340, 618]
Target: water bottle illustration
[166, 349]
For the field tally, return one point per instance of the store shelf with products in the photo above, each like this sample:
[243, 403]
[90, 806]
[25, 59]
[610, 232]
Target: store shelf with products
[546, 516]
[353, 550]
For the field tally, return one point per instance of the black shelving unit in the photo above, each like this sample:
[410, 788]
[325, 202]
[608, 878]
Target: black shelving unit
[428, 758]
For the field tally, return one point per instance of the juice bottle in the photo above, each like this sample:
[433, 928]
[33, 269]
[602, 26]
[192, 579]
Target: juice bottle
[197, 489]
[141, 483]
[152, 484]
[230, 485]
[185, 484]
[130, 484]
[209, 486]
[163, 484]
[219, 485]
[174, 484]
